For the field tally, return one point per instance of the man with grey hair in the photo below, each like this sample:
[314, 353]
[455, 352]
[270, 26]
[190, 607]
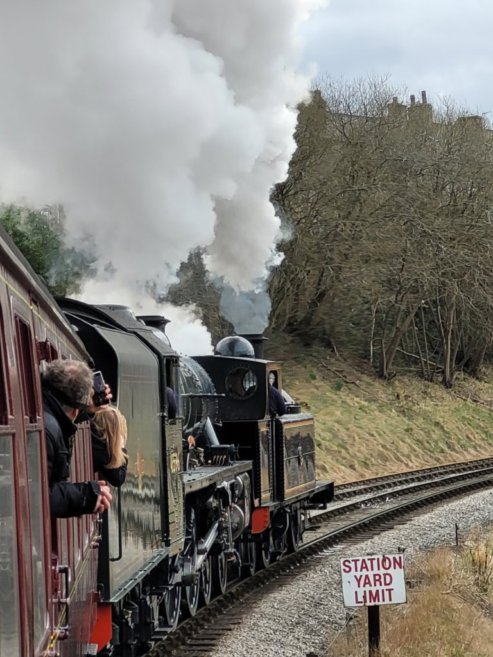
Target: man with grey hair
[67, 389]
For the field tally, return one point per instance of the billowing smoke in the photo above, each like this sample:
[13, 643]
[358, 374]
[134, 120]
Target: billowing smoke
[160, 125]
[247, 311]
[187, 334]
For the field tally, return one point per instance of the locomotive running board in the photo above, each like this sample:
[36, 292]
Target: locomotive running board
[322, 495]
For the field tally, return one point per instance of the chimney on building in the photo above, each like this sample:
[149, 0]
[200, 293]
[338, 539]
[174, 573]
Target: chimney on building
[420, 112]
[396, 110]
[413, 100]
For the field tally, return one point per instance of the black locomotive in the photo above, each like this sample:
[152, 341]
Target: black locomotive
[217, 492]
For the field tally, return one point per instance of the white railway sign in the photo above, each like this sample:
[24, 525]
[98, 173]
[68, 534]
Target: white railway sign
[373, 580]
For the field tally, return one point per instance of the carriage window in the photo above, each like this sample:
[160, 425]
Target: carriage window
[9, 592]
[25, 357]
[241, 383]
[4, 411]
[38, 553]
[46, 351]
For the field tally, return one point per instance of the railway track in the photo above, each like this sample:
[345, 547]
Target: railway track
[364, 486]
[359, 511]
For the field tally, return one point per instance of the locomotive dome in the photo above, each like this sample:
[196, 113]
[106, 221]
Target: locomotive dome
[235, 345]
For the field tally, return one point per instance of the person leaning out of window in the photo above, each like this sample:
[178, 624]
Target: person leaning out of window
[109, 437]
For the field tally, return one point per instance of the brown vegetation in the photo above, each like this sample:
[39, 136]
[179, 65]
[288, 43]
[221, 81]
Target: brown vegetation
[390, 257]
[366, 426]
[449, 609]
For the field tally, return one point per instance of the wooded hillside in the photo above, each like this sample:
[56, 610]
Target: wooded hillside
[391, 253]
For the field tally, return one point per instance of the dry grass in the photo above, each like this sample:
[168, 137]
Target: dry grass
[368, 427]
[448, 613]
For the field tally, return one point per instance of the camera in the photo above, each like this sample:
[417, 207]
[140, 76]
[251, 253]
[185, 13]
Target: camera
[99, 397]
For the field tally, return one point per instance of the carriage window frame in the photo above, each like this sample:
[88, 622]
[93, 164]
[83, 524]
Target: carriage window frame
[10, 551]
[5, 399]
[39, 580]
[25, 356]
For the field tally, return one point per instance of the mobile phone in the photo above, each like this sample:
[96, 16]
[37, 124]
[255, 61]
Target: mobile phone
[99, 397]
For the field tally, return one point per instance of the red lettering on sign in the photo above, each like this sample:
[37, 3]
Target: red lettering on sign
[373, 597]
[346, 565]
[398, 562]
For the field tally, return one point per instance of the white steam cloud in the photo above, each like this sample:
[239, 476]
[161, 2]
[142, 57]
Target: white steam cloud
[185, 331]
[161, 125]
[247, 311]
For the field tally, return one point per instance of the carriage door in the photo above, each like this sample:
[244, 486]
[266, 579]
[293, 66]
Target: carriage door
[35, 557]
[10, 635]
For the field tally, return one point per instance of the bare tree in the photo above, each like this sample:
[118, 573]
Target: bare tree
[390, 254]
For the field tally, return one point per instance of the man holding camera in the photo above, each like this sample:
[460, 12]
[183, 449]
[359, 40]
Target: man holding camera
[68, 389]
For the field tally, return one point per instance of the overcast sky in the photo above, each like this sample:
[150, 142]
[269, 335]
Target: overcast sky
[442, 46]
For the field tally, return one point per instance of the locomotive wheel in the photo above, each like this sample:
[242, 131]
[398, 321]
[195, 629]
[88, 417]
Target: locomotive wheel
[249, 556]
[170, 607]
[206, 581]
[264, 553]
[280, 547]
[191, 600]
[295, 533]
[219, 574]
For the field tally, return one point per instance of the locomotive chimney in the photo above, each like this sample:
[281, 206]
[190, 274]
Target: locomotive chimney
[257, 341]
[155, 321]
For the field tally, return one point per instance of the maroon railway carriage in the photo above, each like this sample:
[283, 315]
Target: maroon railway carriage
[47, 570]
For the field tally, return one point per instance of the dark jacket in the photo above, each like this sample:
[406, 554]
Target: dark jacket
[101, 458]
[277, 405]
[67, 499]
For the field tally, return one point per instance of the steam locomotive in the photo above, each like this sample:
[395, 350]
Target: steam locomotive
[211, 495]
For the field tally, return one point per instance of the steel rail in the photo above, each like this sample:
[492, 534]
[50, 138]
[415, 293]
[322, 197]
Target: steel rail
[354, 519]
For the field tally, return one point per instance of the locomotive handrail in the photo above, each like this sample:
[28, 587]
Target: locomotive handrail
[119, 525]
[202, 394]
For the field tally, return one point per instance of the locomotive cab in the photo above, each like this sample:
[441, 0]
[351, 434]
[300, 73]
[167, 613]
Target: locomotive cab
[282, 447]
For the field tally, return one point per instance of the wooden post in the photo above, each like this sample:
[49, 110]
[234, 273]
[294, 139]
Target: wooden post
[373, 631]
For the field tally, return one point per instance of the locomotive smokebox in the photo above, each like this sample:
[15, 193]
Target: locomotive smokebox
[257, 340]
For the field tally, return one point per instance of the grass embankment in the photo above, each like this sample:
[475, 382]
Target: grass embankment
[448, 612]
[369, 427]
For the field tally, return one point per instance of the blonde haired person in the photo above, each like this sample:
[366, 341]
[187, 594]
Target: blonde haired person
[109, 437]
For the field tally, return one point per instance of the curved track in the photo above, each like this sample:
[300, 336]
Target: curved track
[359, 510]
